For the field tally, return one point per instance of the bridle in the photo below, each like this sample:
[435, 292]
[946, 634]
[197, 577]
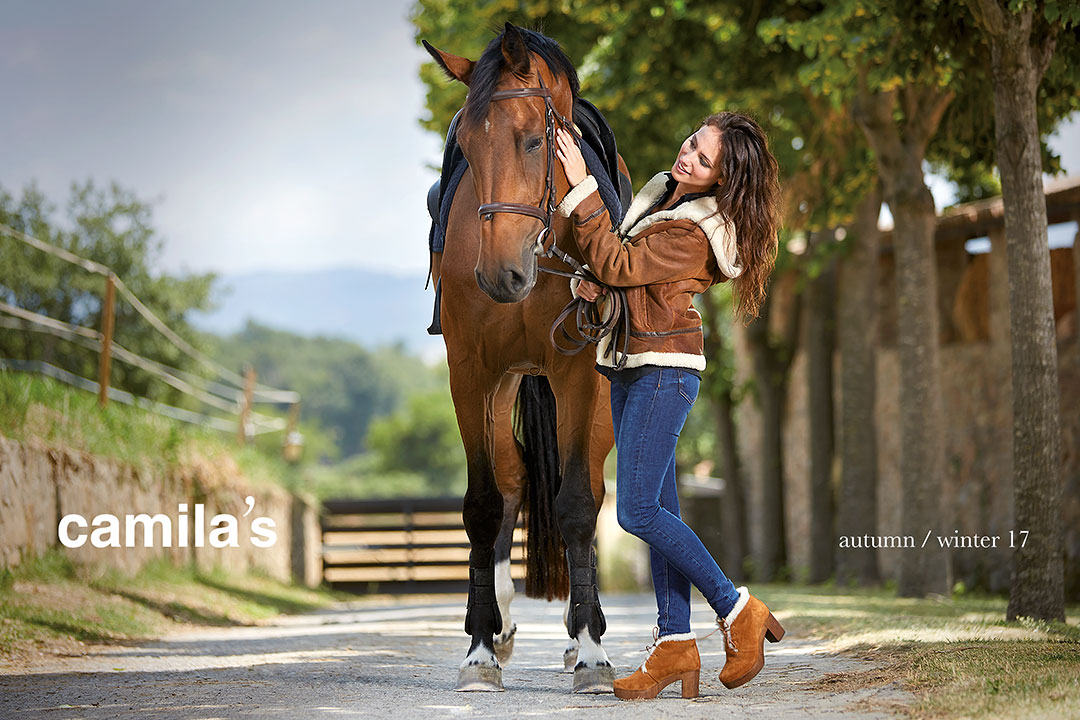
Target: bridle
[545, 210]
[591, 325]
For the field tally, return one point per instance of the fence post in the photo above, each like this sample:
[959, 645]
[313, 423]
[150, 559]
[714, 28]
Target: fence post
[108, 319]
[245, 408]
[293, 444]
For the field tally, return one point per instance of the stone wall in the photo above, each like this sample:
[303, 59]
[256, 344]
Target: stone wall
[39, 485]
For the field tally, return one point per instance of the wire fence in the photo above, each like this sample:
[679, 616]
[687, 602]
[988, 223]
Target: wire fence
[225, 390]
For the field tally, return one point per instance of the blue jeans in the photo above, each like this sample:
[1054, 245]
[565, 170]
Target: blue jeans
[648, 415]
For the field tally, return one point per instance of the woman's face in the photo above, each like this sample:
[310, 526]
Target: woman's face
[698, 164]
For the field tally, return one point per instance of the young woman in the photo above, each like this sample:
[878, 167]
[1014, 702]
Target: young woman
[712, 218]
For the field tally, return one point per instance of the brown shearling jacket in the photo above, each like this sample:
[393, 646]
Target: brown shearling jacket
[663, 259]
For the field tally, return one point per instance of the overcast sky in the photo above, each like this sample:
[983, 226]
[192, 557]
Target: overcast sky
[270, 134]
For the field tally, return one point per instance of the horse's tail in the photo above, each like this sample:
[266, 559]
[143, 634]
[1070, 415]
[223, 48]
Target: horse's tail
[545, 552]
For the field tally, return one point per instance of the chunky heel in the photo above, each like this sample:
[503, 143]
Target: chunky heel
[690, 684]
[774, 631]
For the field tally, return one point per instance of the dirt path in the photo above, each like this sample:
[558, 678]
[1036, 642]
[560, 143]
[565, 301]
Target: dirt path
[400, 661]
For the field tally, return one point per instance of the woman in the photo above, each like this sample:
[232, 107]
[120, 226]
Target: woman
[713, 217]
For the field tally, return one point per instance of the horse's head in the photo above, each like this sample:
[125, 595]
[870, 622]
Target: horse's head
[506, 141]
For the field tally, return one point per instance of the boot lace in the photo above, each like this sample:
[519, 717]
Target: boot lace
[729, 644]
[650, 648]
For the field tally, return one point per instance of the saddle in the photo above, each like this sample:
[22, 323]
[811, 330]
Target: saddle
[598, 149]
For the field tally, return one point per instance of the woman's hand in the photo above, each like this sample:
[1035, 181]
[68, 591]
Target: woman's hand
[569, 155]
[589, 290]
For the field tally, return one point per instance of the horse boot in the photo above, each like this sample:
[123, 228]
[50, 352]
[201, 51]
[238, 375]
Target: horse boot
[745, 629]
[586, 614]
[481, 670]
[671, 658]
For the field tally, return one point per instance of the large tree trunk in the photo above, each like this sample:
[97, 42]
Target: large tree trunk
[1020, 53]
[900, 149]
[820, 343]
[733, 505]
[772, 361]
[857, 330]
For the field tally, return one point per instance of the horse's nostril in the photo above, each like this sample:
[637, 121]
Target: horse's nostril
[514, 280]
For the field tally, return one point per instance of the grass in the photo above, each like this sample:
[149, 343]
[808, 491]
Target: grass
[38, 407]
[958, 655]
[48, 604]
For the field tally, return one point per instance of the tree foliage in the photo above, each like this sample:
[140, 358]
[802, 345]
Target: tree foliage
[343, 385]
[111, 226]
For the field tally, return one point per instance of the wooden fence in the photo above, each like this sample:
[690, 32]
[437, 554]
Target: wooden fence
[400, 545]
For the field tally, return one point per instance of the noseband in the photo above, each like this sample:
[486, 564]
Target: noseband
[592, 327]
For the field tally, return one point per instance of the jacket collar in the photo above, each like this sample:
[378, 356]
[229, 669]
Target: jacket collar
[699, 209]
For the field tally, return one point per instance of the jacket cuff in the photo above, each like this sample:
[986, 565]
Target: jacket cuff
[578, 193]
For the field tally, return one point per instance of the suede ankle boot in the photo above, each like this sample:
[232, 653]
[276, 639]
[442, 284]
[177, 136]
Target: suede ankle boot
[671, 658]
[745, 629]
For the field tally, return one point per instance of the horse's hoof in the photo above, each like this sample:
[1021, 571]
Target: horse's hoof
[479, 678]
[569, 660]
[504, 649]
[594, 679]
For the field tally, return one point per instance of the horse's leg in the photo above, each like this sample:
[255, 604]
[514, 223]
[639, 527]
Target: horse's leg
[474, 394]
[581, 399]
[569, 656]
[510, 475]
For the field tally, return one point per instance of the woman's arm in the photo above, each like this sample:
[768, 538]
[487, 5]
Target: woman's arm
[659, 257]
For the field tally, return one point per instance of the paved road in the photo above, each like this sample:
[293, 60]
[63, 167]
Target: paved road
[400, 661]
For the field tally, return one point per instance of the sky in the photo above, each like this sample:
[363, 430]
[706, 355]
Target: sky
[269, 135]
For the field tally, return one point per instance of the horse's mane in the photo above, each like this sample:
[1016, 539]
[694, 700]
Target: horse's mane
[489, 68]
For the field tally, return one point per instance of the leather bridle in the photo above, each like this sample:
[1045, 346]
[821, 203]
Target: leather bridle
[545, 210]
[591, 325]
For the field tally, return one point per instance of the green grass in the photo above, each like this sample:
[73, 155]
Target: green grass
[59, 415]
[958, 655]
[48, 602]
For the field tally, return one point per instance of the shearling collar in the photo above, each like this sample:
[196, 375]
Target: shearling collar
[701, 211]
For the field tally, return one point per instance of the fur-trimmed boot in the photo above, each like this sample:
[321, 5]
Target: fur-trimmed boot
[671, 658]
[745, 629]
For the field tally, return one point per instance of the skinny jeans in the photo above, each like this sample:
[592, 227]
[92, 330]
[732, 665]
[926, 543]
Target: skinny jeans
[648, 414]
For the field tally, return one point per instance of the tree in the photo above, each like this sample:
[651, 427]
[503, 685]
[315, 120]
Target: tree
[112, 227]
[422, 438]
[897, 65]
[1022, 37]
[857, 322]
[345, 386]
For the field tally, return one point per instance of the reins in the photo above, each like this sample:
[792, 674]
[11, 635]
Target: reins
[592, 326]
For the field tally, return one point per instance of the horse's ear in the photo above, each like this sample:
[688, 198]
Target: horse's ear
[515, 51]
[458, 68]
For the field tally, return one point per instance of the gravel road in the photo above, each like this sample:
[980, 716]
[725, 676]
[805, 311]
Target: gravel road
[399, 660]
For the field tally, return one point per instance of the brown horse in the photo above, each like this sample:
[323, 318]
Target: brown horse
[496, 312]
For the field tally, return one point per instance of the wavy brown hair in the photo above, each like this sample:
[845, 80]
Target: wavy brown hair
[749, 198]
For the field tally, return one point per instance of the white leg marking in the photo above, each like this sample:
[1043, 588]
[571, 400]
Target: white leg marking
[480, 656]
[504, 593]
[591, 654]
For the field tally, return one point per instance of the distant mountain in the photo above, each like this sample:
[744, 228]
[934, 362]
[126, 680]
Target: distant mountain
[368, 306]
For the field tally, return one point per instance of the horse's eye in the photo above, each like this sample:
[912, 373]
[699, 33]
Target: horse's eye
[533, 144]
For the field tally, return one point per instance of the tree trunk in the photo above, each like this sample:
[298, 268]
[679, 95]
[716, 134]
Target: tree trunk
[1019, 58]
[820, 343]
[733, 505]
[772, 361]
[900, 149]
[857, 329]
